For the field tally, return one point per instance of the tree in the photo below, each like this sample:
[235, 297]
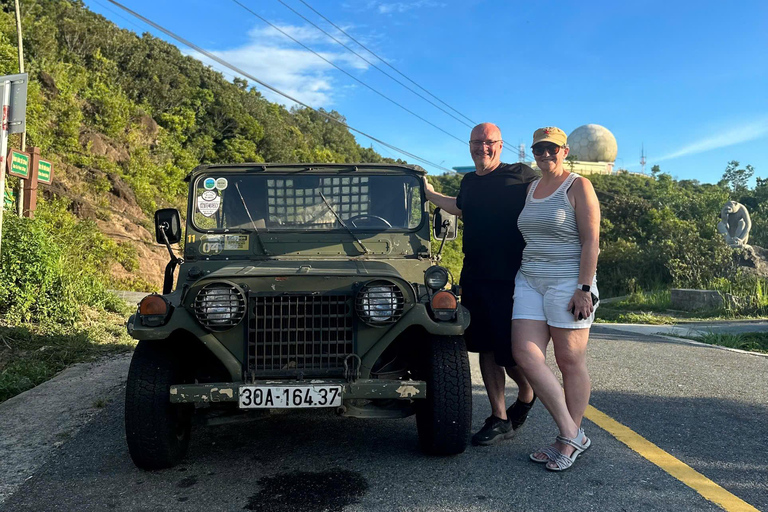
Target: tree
[655, 170]
[737, 178]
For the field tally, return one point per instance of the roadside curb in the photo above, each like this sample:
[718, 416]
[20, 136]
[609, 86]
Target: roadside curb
[660, 334]
[701, 344]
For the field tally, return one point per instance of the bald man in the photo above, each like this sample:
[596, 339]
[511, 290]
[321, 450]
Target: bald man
[490, 200]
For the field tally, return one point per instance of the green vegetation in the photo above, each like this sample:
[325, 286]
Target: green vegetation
[751, 341]
[33, 353]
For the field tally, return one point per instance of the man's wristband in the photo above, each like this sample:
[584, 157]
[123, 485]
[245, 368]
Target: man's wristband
[585, 288]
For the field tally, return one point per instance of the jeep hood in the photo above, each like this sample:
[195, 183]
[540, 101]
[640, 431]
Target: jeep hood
[307, 267]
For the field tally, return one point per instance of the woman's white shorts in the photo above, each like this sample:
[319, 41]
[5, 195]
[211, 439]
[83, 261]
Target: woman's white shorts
[546, 299]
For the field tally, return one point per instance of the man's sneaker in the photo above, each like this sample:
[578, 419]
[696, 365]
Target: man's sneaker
[494, 430]
[518, 412]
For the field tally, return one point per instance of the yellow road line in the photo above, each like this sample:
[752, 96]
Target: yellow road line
[675, 467]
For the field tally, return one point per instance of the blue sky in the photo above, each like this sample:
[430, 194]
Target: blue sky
[686, 80]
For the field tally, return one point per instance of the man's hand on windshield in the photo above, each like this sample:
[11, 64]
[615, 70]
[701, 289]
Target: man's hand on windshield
[428, 187]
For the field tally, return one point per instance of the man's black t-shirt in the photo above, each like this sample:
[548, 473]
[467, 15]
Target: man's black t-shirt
[490, 205]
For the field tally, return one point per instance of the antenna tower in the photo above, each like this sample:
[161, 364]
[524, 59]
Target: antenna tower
[642, 158]
[521, 153]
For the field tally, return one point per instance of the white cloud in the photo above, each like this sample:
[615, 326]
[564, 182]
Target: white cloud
[736, 135]
[273, 58]
[401, 7]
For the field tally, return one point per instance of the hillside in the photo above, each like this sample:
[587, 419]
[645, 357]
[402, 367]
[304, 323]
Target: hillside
[124, 118]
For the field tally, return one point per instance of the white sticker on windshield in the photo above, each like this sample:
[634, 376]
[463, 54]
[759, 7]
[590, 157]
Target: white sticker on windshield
[221, 183]
[208, 207]
[235, 242]
[210, 195]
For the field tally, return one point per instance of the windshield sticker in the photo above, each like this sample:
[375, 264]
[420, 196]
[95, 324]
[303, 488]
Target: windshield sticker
[208, 207]
[235, 242]
[209, 184]
[221, 183]
[211, 244]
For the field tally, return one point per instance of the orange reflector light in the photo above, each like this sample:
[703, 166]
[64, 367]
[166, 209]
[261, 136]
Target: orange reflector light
[444, 300]
[153, 305]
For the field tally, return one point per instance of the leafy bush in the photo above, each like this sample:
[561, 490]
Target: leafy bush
[54, 265]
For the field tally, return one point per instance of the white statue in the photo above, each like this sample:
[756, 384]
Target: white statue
[735, 224]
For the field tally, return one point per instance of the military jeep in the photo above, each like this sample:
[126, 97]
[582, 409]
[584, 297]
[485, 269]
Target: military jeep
[300, 286]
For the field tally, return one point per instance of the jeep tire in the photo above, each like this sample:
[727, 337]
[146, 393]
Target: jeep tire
[444, 418]
[157, 431]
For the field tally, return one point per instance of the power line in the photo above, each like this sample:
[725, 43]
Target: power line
[350, 75]
[271, 88]
[385, 62]
[374, 65]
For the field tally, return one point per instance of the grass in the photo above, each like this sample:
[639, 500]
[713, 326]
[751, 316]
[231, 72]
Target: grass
[31, 354]
[655, 308]
[751, 341]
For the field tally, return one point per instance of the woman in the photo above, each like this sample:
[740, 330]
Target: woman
[556, 293]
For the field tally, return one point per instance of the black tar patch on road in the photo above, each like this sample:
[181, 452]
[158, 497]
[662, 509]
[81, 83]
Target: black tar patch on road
[326, 491]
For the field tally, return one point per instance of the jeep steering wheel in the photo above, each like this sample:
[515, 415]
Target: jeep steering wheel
[368, 216]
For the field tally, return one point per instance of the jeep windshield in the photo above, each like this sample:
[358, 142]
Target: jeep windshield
[274, 202]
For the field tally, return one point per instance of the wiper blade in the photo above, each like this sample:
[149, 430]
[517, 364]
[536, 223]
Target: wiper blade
[255, 230]
[333, 211]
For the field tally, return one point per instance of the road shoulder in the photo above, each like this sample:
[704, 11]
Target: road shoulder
[39, 420]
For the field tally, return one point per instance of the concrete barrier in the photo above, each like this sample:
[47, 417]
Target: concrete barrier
[691, 300]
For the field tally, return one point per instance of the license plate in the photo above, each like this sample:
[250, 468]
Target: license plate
[289, 397]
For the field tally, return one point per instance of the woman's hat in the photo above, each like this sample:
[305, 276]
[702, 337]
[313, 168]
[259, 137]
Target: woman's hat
[550, 134]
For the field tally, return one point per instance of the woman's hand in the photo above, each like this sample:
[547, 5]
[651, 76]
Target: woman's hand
[581, 305]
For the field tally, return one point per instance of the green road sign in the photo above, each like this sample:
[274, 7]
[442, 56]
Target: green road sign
[44, 171]
[8, 199]
[18, 164]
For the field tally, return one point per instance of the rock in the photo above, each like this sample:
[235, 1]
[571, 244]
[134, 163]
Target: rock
[150, 128]
[121, 189]
[48, 82]
[101, 146]
[754, 258]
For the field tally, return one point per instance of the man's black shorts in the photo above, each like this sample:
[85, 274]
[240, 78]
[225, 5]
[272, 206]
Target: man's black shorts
[490, 308]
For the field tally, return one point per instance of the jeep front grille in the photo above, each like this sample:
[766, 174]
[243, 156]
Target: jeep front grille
[293, 334]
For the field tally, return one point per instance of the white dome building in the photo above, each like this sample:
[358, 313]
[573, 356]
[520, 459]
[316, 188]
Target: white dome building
[593, 143]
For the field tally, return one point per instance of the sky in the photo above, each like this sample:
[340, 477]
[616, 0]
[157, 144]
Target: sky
[686, 81]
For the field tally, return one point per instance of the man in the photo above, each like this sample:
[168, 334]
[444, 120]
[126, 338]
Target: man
[489, 201]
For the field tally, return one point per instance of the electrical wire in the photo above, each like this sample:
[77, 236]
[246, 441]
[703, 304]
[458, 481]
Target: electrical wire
[273, 89]
[374, 65]
[350, 75]
[385, 62]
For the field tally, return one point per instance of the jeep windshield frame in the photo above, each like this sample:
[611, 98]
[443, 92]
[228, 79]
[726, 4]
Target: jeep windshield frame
[286, 200]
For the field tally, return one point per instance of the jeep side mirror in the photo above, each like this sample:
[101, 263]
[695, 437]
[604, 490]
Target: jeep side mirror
[168, 219]
[446, 225]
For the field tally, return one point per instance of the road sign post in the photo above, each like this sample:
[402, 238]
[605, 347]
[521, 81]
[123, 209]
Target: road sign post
[13, 109]
[30, 185]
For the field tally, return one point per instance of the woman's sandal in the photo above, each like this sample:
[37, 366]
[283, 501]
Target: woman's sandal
[550, 452]
[562, 462]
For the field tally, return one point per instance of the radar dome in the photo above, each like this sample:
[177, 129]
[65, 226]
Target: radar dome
[593, 143]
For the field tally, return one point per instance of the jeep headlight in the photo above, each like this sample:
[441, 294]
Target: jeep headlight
[436, 277]
[379, 303]
[219, 306]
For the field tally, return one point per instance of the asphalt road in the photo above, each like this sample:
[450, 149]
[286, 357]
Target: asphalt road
[705, 406]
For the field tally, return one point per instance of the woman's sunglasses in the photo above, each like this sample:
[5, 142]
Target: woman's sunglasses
[540, 149]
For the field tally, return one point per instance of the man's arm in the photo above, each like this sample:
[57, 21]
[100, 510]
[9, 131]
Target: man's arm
[447, 203]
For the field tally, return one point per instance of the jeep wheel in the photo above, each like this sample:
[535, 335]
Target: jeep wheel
[157, 431]
[444, 418]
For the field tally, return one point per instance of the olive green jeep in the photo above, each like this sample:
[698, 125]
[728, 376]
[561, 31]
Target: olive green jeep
[301, 286]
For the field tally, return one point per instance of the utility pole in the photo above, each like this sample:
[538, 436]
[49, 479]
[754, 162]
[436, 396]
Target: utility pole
[20, 189]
